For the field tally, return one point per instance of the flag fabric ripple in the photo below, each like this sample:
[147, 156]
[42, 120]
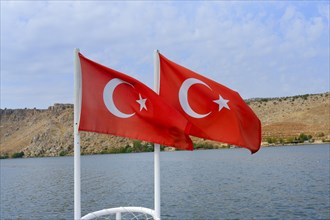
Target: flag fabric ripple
[215, 111]
[114, 103]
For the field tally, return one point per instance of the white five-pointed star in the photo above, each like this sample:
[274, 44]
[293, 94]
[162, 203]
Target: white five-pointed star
[222, 103]
[142, 103]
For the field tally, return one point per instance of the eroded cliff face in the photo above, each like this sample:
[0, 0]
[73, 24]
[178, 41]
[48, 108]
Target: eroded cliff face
[289, 117]
[36, 132]
[49, 132]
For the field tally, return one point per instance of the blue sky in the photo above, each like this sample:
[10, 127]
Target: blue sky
[259, 48]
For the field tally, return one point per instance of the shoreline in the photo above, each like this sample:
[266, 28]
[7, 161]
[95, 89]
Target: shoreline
[295, 144]
[170, 149]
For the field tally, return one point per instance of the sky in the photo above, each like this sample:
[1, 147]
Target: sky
[257, 48]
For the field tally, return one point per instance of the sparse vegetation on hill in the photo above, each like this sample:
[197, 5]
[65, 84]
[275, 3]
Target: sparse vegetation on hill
[285, 119]
[49, 132]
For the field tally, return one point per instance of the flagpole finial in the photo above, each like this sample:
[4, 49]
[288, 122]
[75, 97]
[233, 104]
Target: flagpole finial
[156, 71]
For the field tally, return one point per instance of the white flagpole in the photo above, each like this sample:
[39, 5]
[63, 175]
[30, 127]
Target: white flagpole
[77, 106]
[156, 146]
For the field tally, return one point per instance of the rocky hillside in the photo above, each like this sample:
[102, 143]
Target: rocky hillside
[49, 132]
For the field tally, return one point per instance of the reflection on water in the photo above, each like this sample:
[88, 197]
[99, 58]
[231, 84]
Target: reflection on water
[276, 183]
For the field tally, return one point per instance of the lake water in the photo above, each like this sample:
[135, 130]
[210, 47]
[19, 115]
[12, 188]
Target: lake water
[275, 183]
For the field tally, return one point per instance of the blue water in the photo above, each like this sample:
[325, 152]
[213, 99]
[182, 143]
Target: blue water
[275, 183]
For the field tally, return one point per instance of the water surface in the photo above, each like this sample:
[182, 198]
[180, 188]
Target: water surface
[275, 183]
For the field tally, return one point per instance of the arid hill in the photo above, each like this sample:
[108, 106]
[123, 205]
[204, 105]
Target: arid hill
[288, 117]
[49, 132]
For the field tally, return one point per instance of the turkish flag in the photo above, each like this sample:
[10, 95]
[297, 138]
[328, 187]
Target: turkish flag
[114, 103]
[215, 111]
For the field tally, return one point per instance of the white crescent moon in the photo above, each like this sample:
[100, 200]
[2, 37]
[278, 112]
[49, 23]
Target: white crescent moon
[108, 98]
[183, 97]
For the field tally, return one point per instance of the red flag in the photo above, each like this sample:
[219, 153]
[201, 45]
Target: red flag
[215, 111]
[114, 103]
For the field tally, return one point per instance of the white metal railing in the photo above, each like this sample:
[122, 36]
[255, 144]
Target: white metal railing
[119, 210]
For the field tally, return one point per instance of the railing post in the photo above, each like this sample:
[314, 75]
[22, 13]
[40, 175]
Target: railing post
[118, 216]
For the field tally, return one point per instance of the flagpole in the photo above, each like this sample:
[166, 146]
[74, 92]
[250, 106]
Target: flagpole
[156, 146]
[77, 101]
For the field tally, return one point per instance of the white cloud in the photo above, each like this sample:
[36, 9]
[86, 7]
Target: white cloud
[259, 49]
